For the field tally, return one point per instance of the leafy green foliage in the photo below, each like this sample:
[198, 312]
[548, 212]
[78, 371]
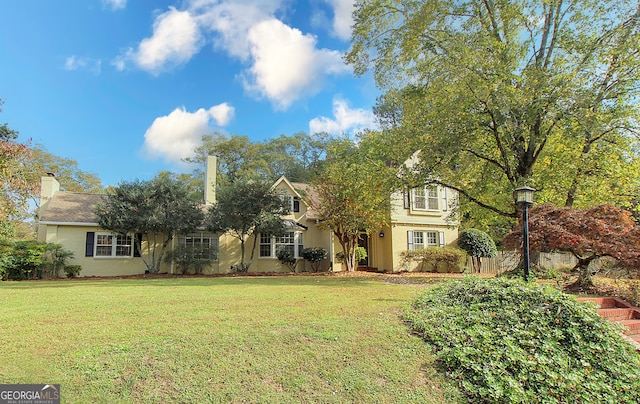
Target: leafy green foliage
[158, 209]
[440, 259]
[297, 157]
[353, 194]
[501, 94]
[510, 342]
[72, 270]
[26, 259]
[189, 258]
[314, 255]
[30, 259]
[15, 188]
[287, 259]
[57, 257]
[477, 244]
[245, 209]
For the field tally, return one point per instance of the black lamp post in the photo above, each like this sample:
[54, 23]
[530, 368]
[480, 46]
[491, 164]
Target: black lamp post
[524, 198]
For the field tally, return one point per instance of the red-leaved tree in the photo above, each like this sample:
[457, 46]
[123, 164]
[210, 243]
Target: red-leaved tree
[588, 234]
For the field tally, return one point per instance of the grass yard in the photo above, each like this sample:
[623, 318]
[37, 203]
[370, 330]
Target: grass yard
[238, 339]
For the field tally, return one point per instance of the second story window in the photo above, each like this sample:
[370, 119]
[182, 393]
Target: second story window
[425, 198]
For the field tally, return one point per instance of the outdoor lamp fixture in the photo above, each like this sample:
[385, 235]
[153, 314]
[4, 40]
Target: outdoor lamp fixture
[381, 234]
[524, 198]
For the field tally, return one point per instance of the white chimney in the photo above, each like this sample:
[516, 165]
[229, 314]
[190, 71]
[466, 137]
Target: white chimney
[210, 180]
[48, 187]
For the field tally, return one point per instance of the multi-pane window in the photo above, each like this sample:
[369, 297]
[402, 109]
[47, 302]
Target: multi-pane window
[113, 245]
[425, 198]
[292, 201]
[204, 245]
[424, 239]
[291, 241]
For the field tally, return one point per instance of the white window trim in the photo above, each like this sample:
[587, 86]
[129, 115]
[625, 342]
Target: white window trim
[214, 240]
[426, 189]
[114, 246]
[298, 239]
[412, 245]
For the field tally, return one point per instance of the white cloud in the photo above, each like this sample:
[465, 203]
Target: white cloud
[286, 64]
[176, 38]
[282, 63]
[83, 63]
[174, 136]
[115, 4]
[222, 113]
[342, 19]
[345, 119]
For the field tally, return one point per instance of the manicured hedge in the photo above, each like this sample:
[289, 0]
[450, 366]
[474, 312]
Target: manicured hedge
[509, 342]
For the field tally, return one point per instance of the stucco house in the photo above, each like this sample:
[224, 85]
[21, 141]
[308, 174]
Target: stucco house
[418, 218]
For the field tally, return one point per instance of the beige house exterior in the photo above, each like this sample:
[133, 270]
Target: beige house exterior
[418, 218]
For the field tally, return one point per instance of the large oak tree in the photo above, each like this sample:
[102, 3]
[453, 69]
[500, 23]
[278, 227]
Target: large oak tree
[504, 93]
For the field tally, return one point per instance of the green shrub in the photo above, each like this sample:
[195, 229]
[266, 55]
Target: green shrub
[56, 259]
[441, 259]
[361, 253]
[190, 258]
[27, 260]
[72, 270]
[477, 244]
[314, 255]
[510, 342]
[287, 259]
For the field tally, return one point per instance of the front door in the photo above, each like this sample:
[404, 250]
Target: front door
[363, 242]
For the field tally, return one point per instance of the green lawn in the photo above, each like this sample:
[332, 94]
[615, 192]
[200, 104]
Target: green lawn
[239, 339]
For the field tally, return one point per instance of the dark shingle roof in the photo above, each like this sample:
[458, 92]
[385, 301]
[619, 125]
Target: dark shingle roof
[71, 207]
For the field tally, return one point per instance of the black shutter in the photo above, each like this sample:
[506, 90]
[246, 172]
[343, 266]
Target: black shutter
[407, 202]
[296, 204]
[88, 251]
[137, 242]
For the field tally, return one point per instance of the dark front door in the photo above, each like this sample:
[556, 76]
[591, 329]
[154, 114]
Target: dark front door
[363, 242]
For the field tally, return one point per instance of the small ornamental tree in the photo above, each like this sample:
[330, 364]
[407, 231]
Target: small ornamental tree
[245, 209]
[157, 209]
[477, 244]
[588, 234]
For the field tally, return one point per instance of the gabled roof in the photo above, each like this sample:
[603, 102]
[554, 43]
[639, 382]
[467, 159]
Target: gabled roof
[71, 207]
[310, 195]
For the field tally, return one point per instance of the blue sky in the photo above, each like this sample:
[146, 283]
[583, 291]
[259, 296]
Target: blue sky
[127, 88]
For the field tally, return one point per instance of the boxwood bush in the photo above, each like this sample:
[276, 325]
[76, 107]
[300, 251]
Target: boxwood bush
[510, 342]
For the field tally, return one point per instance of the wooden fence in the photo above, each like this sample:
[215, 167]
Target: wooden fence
[508, 260]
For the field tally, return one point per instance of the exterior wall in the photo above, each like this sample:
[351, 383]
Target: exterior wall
[405, 219]
[73, 238]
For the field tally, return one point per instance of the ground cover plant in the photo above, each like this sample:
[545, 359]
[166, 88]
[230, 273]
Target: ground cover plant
[507, 341]
[237, 339]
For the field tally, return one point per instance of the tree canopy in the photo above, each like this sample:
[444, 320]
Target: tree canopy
[157, 210]
[244, 209]
[353, 194]
[15, 188]
[500, 94]
[297, 157]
